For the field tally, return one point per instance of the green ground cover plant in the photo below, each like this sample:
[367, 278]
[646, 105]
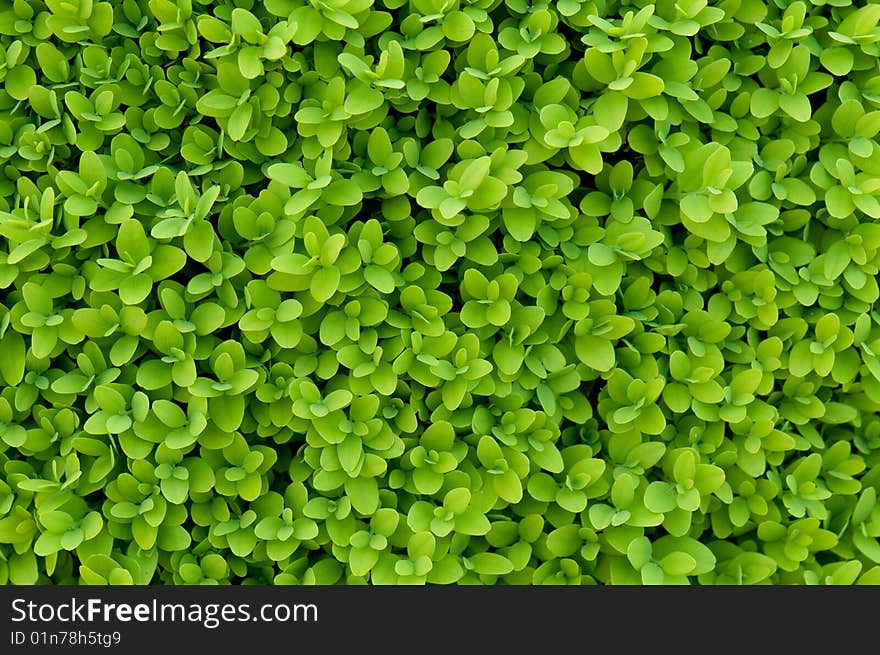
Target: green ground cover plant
[439, 292]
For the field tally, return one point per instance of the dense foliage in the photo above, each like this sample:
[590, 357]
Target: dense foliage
[439, 291]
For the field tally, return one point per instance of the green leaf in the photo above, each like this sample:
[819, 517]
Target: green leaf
[489, 564]
[362, 99]
[240, 119]
[696, 207]
[839, 202]
[175, 490]
[595, 352]
[678, 564]
[363, 494]
[227, 412]
[324, 283]
[797, 106]
[660, 497]
[601, 255]
[19, 82]
[12, 362]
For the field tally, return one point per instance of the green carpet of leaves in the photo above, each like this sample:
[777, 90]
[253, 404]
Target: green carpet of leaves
[439, 291]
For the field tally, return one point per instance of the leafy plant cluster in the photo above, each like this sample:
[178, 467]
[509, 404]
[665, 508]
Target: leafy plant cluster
[439, 291]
